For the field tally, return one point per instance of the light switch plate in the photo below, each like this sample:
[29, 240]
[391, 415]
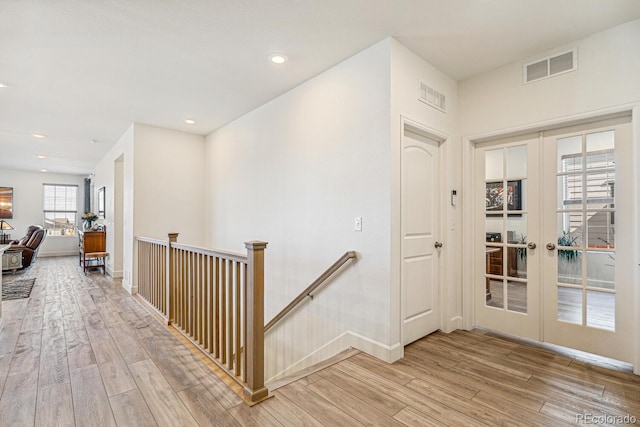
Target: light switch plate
[357, 224]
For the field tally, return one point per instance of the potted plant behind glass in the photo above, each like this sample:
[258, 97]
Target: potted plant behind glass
[88, 218]
[569, 261]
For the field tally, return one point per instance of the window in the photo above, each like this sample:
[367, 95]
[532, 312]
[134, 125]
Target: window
[60, 209]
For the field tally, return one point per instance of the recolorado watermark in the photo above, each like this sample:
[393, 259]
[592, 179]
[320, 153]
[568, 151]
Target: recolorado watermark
[605, 419]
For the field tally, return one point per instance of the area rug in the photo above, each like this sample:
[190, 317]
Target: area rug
[17, 289]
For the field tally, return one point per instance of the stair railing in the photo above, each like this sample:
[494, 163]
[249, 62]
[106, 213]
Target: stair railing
[213, 298]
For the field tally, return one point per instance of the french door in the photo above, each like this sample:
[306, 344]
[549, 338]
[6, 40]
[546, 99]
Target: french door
[588, 245]
[553, 239]
[508, 283]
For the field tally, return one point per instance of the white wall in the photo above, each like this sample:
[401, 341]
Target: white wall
[160, 172]
[295, 173]
[27, 206]
[119, 235]
[169, 184]
[407, 69]
[607, 75]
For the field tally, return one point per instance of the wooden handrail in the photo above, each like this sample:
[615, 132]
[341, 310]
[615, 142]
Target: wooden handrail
[312, 287]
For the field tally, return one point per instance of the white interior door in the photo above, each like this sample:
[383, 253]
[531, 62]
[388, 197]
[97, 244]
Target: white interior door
[420, 228]
[588, 220]
[507, 296]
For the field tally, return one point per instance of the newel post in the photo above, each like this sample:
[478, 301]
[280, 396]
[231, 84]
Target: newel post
[169, 283]
[255, 390]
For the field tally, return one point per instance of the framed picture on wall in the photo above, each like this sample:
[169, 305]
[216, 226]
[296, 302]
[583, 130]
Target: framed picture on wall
[101, 202]
[6, 202]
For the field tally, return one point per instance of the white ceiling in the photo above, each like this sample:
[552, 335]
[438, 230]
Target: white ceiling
[79, 70]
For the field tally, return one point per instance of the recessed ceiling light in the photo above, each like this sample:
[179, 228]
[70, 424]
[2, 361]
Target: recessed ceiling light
[2, 85]
[189, 121]
[43, 170]
[278, 58]
[38, 135]
[41, 157]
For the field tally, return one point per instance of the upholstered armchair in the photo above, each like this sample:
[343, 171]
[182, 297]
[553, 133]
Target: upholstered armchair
[29, 244]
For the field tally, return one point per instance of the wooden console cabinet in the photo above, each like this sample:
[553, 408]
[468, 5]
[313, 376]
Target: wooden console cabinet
[93, 249]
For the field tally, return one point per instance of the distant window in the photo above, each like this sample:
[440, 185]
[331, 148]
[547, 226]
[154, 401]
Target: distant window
[60, 209]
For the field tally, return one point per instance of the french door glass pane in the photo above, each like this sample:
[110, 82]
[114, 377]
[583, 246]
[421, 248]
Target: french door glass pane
[493, 228]
[570, 267]
[601, 269]
[494, 164]
[601, 189]
[601, 310]
[601, 229]
[517, 262]
[570, 305]
[570, 191]
[517, 229]
[495, 295]
[517, 162]
[601, 141]
[570, 228]
[517, 296]
[494, 260]
[494, 196]
[569, 154]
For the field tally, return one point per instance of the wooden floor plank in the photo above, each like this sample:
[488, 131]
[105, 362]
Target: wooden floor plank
[205, 408]
[317, 406]
[130, 410]
[255, 416]
[54, 366]
[288, 413]
[113, 369]
[165, 405]
[19, 397]
[372, 397]
[55, 406]
[351, 405]
[421, 403]
[90, 401]
[410, 417]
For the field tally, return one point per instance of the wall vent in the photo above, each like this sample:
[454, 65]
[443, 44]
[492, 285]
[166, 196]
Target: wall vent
[432, 97]
[550, 66]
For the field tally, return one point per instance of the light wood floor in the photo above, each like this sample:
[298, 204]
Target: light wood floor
[80, 351]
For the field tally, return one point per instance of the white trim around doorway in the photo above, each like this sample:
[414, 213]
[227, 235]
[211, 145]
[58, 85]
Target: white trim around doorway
[467, 222]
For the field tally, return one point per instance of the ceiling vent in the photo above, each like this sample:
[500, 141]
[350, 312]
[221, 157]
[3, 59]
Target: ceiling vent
[432, 97]
[550, 66]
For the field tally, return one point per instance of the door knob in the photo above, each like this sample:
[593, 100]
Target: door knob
[550, 246]
[531, 245]
[438, 245]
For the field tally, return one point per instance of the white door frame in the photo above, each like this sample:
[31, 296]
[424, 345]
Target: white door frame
[468, 227]
[444, 277]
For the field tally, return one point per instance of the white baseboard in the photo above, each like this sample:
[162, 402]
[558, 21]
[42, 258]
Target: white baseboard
[129, 288]
[116, 274]
[386, 353]
[337, 345]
